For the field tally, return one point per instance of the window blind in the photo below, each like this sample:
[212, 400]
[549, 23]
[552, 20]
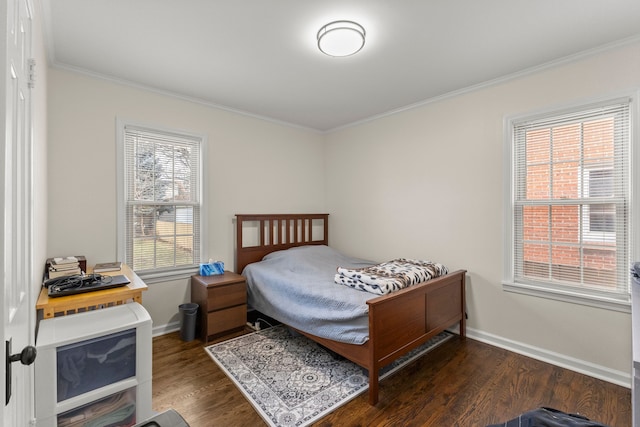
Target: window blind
[571, 200]
[162, 199]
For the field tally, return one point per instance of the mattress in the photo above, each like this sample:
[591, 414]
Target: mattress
[296, 286]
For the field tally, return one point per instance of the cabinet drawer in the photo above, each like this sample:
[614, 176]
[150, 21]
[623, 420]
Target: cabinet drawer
[224, 320]
[226, 296]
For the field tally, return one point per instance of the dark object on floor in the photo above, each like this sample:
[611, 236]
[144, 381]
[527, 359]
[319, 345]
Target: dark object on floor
[188, 316]
[264, 321]
[549, 417]
[169, 418]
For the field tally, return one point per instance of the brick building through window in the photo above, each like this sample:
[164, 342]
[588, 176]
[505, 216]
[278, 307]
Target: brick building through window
[568, 241]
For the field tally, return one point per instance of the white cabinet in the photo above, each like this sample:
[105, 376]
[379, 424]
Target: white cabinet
[94, 366]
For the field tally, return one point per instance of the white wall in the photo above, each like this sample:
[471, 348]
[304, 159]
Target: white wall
[252, 166]
[427, 183]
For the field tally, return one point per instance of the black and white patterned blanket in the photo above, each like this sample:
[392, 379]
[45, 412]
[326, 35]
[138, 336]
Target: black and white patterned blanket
[389, 276]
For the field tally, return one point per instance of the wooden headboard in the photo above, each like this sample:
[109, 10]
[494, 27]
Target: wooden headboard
[260, 234]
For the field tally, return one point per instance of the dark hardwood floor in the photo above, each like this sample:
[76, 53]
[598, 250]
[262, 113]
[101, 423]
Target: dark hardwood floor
[460, 383]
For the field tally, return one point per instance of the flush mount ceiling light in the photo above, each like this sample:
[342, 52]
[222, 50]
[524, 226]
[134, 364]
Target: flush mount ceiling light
[341, 38]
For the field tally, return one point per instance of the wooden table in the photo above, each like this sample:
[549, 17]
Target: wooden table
[71, 304]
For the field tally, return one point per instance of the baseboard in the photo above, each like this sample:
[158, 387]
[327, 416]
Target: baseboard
[156, 331]
[597, 371]
[253, 316]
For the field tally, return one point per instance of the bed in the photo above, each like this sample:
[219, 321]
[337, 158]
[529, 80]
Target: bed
[396, 323]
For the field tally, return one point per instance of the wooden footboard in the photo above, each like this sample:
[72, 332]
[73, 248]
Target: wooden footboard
[398, 322]
[404, 320]
[407, 319]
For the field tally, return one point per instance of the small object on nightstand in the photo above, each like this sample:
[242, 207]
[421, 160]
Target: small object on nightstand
[212, 268]
[223, 303]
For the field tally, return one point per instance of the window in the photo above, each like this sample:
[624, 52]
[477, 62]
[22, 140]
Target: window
[568, 205]
[161, 204]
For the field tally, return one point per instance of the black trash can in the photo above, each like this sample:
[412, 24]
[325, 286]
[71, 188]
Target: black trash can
[188, 316]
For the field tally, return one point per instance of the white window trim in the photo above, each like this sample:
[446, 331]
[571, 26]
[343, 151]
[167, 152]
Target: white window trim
[558, 293]
[176, 273]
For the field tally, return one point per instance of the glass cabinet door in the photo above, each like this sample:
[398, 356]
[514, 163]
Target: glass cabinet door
[118, 410]
[95, 363]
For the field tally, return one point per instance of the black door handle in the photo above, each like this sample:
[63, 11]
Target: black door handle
[27, 356]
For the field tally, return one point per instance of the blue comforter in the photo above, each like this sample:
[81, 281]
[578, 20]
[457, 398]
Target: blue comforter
[296, 286]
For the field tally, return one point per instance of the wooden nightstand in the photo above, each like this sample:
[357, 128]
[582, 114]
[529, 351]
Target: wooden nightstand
[222, 301]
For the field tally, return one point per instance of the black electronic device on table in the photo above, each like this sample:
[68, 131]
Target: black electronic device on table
[77, 284]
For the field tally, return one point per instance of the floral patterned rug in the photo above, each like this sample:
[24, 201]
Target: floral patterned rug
[292, 381]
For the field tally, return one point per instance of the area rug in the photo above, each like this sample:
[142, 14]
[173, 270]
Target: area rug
[292, 381]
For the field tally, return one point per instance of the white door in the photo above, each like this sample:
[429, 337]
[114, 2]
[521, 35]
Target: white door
[16, 305]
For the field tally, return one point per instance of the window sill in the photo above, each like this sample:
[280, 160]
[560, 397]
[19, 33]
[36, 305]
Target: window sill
[167, 276]
[573, 297]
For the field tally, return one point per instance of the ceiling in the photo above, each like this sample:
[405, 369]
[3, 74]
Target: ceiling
[260, 57]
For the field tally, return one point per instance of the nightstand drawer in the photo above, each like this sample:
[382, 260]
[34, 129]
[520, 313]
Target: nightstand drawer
[227, 319]
[226, 296]
[223, 303]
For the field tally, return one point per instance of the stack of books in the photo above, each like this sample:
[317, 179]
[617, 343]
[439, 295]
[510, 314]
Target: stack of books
[66, 266]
